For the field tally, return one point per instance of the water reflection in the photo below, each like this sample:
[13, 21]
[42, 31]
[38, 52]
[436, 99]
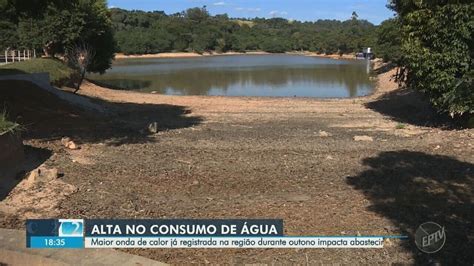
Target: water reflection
[124, 84]
[268, 75]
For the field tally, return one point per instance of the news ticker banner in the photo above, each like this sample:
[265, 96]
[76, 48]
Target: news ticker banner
[180, 233]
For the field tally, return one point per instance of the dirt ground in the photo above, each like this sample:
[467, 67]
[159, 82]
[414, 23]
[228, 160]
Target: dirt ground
[289, 158]
[186, 54]
[183, 54]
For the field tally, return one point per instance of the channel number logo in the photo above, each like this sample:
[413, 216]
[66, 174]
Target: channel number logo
[71, 227]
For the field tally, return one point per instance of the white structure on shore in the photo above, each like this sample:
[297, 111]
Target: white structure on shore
[365, 54]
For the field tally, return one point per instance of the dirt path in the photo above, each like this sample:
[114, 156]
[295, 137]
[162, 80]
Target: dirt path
[288, 158]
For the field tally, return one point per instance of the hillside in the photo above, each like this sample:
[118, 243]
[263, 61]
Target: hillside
[195, 30]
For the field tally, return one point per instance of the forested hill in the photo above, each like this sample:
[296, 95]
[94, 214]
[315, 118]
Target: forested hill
[139, 32]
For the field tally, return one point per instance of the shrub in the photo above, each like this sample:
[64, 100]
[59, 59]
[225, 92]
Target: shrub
[6, 125]
[437, 58]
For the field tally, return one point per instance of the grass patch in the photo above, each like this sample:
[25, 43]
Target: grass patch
[59, 72]
[6, 125]
[400, 126]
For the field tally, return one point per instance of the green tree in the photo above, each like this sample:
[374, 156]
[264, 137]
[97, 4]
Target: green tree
[53, 25]
[389, 40]
[354, 16]
[437, 50]
[197, 15]
[8, 35]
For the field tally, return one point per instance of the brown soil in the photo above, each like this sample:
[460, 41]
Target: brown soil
[182, 54]
[257, 157]
[188, 54]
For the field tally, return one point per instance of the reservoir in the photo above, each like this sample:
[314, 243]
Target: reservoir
[278, 75]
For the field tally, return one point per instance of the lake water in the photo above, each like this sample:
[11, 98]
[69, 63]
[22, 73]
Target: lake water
[242, 75]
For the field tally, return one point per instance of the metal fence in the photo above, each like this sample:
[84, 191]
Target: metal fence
[10, 56]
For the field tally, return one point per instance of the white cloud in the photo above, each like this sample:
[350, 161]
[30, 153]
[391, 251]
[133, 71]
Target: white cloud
[248, 9]
[220, 4]
[276, 13]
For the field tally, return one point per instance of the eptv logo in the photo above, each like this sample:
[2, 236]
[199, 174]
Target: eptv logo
[71, 228]
[430, 237]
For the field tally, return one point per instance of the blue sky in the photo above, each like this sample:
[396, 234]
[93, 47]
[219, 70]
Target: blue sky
[306, 10]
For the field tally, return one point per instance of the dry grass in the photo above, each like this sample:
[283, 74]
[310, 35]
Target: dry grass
[6, 125]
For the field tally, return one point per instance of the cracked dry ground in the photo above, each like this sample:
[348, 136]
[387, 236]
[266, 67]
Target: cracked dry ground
[267, 158]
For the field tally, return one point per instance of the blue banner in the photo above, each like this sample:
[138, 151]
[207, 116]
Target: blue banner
[56, 242]
[55, 233]
[72, 233]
